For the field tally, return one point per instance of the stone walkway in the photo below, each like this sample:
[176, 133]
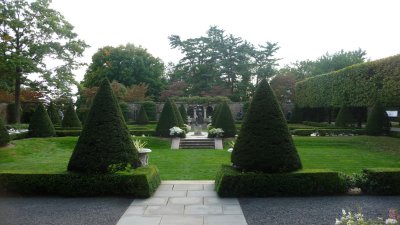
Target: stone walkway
[184, 203]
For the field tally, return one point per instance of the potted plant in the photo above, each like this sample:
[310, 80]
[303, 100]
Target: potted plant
[143, 152]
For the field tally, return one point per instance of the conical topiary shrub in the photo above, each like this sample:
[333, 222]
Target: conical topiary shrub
[105, 144]
[215, 114]
[167, 120]
[71, 118]
[142, 118]
[264, 143]
[344, 117]
[4, 136]
[54, 114]
[41, 125]
[177, 114]
[183, 112]
[225, 120]
[378, 121]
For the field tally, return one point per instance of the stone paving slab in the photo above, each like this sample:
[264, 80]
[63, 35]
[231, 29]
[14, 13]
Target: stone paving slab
[186, 203]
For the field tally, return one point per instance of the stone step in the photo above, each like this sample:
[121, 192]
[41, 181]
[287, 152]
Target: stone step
[204, 143]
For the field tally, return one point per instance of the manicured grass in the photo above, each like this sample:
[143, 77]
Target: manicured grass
[346, 154]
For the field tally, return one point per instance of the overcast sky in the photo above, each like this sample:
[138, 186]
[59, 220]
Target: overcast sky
[304, 29]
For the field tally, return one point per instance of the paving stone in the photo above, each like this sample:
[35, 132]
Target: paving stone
[164, 210]
[135, 210]
[225, 220]
[185, 201]
[151, 201]
[209, 187]
[221, 201]
[203, 209]
[170, 193]
[232, 210]
[139, 220]
[165, 187]
[202, 194]
[182, 220]
[185, 187]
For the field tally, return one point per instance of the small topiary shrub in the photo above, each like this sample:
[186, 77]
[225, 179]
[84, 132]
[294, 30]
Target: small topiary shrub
[142, 118]
[41, 125]
[225, 121]
[381, 181]
[105, 144]
[344, 117]
[54, 114]
[378, 121]
[215, 114]
[4, 136]
[264, 143]
[184, 115]
[177, 114]
[150, 108]
[70, 118]
[167, 120]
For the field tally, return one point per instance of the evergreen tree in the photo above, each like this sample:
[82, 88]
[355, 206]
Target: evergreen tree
[142, 118]
[177, 114]
[167, 120]
[71, 118]
[297, 115]
[54, 114]
[264, 143]
[225, 120]
[41, 125]
[183, 112]
[344, 117]
[378, 122]
[105, 144]
[4, 136]
[215, 114]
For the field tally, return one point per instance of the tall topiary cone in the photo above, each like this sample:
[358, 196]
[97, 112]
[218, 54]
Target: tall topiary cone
[142, 118]
[4, 136]
[177, 114]
[378, 121]
[225, 120]
[105, 144]
[41, 125]
[183, 112]
[344, 117]
[167, 120]
[71, 118]
[54, 114]
[215, 114]
[264, 143]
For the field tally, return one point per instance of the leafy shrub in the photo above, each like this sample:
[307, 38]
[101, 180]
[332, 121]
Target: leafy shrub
[150, 108]
[41, 125]
[142, 182]
[225, 120]
[382, 181]
[54, 114]
[215, 133]
[177, 114]
[167, 120]
[264, 143]
[27, 113]
[4, 136]
[105, 140]
[184, 115]
[344, 117]
[235, 183]
[297, 115]
[378, 121]
[215, 114]
[142, 116]
[11, 110]
[124, 110]
[70, 118]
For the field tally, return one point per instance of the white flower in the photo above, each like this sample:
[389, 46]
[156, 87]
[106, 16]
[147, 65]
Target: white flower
[175, 131]
[391, 221]
[217, 132]
[338, 222]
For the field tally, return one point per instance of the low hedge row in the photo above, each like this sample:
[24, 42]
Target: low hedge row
[327, 132]
[142, 182]
[394, 134]
[142, 132]
[64, 133]
[381, 181]
[233, 183]
[19, 136]
[317, 124]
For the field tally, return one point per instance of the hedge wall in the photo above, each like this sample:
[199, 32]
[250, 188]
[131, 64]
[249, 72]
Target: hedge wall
[383, 181]
[360, 85]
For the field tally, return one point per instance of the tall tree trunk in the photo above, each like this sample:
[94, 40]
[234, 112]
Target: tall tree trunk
[17, 116]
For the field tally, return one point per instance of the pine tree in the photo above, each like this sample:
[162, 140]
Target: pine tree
[167, 120]
[105, 144]
[344, 117]
[54, 114]
[71, 118]
[183, 112]
[378, 122]
[264, 143]
[4, 136]
[41, 125]
[225, 120]
[142, 118]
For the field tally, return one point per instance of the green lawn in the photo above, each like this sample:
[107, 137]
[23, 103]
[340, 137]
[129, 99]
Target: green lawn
[346, 154]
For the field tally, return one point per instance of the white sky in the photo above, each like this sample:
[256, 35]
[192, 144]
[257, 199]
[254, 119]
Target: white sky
[304, 29]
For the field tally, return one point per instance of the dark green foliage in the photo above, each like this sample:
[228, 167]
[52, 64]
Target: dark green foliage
[124, 110]
[54, 114]
[11, 113]
[327, 132]
[70, 118]
[150, 108]
[245, 108]
[344, 117]
[27, 113]
[264, 143]
[177, 114]
[225, 121]
[297, 115]
[142, 182]
[378, 121]
[184, 115]
[41, 125]
[167, 120]
[65, 133]
[233, 183]
[105, 141]
[380, 181]
[215, 114]
[142, 116]
[4, 136]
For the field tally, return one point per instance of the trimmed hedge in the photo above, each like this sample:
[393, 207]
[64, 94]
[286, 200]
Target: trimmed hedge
[381, 181]
[150, 108]
[71, 118]
[378, 122]
[344, 117]
[141, 182]
[54, 114]
[225, 120]
[41, 125]
[142, 116]
[359, 85]
[4, 136]
[167, 120]
[142, 132]
[234, 183]
[184, 114]
[64, 133]
[327, 132]
[317, 124]
[177, 114]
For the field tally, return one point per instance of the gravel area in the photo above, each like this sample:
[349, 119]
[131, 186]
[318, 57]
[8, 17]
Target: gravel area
[62, 211]
[313, 210]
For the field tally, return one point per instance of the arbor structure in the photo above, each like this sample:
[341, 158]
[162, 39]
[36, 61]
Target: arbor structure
[264, 143]
[41, 125]
[32, 32]
[71, 118]
[167, 120]
[225, 120]
[105, 144]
